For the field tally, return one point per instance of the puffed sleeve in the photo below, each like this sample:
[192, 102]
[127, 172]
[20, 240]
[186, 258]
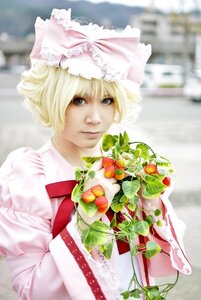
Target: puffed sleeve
[170, 237]
[25, 228]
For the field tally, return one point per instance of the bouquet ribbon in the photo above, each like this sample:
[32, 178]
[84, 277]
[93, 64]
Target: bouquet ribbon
[63, 216]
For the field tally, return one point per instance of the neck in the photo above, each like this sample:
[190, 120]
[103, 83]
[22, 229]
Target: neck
[71, 152]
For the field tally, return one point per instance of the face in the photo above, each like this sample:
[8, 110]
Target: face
[87, 119]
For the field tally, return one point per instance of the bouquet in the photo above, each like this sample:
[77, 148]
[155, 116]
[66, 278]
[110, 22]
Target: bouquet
[141, 174]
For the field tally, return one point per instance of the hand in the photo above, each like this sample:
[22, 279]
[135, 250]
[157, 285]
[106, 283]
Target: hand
[151, 204]
[109, 185]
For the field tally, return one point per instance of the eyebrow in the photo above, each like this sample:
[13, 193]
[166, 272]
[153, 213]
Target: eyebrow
[90, 96]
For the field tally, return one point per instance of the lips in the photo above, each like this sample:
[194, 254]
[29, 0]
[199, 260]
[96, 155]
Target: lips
[92, 134]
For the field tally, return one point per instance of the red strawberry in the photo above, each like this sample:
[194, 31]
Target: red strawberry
[118, 165]
[167, 181]
[106, 162]
[151, 169]
[88, 196]
[109, 171]
[98, 190]
[102, 204]
[103, 209]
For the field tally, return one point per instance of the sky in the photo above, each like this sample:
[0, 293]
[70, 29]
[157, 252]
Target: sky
[165, 5]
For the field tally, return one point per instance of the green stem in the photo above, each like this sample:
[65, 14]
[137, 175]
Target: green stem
[134, 274]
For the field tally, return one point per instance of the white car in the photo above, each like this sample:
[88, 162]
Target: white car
[163, 79]
[192, 88]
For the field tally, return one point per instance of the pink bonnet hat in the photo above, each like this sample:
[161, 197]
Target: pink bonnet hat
[90, 51]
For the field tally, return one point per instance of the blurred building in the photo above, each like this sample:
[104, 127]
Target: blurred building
[16, 49]
[173, 37]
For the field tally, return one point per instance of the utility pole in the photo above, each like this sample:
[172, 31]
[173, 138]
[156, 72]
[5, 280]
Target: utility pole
[189, 26]
[198, 38]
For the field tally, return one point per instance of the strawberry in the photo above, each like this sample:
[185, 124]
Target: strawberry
[106, 162]
[151, 169]
[118, 165]
[102, 204]
[167, 181]
[88, 196]
[119, 175]
[97, 190]
[109, 171]
[103, 209]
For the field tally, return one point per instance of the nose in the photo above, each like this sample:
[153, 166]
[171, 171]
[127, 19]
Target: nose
[93, 115]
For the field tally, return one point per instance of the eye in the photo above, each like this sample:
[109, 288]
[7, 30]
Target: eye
[108, 101]
[78, 101]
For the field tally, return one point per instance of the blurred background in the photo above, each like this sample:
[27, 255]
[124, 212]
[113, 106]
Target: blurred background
[170, 119]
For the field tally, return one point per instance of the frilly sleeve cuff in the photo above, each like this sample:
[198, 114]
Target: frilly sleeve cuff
[170, 237]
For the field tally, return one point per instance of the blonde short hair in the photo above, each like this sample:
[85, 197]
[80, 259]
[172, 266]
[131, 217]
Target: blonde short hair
[48, 90]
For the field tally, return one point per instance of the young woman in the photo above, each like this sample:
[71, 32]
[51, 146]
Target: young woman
[82, 79]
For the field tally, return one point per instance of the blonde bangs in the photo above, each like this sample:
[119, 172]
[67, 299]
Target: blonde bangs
[49, 90]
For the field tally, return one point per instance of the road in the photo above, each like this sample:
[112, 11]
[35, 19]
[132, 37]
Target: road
[171, 125]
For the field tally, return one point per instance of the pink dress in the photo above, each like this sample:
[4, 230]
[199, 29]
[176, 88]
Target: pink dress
[61, 268]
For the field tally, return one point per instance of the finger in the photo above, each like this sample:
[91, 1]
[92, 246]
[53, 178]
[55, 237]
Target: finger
[97, 165]
[110, 180]
[116, 187]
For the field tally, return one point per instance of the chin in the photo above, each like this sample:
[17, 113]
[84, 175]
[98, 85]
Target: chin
[90, 145]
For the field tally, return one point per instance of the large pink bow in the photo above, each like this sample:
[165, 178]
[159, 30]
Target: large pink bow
[118, 55]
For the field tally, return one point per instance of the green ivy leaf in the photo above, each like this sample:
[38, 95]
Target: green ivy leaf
[125, 294]
[78, 174]
[149, 219]
[131, 207]
[157, 212]
[118, 202]
[90, 209]
[121, 140]
[153, 293]
[113, 223]
[76, 194]
[96, 234]
[126, 138]
[136, 293]
[91, 174]
[107, 250]
[117, 150]
[90, 160]
[142, 227]
[142, 151]
[130, 188]
[123, 143]
[152, 249]
[133, 202]
[108, 141]
[152, 187]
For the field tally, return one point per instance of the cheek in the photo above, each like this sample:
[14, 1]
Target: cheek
[70, 123]
[110, 114]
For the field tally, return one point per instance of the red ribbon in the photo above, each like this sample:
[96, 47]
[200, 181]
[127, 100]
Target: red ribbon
[63, 216]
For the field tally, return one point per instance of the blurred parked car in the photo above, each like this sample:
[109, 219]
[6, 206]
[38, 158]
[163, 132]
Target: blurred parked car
[17, 69]
[163, 79]
[192, 88]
